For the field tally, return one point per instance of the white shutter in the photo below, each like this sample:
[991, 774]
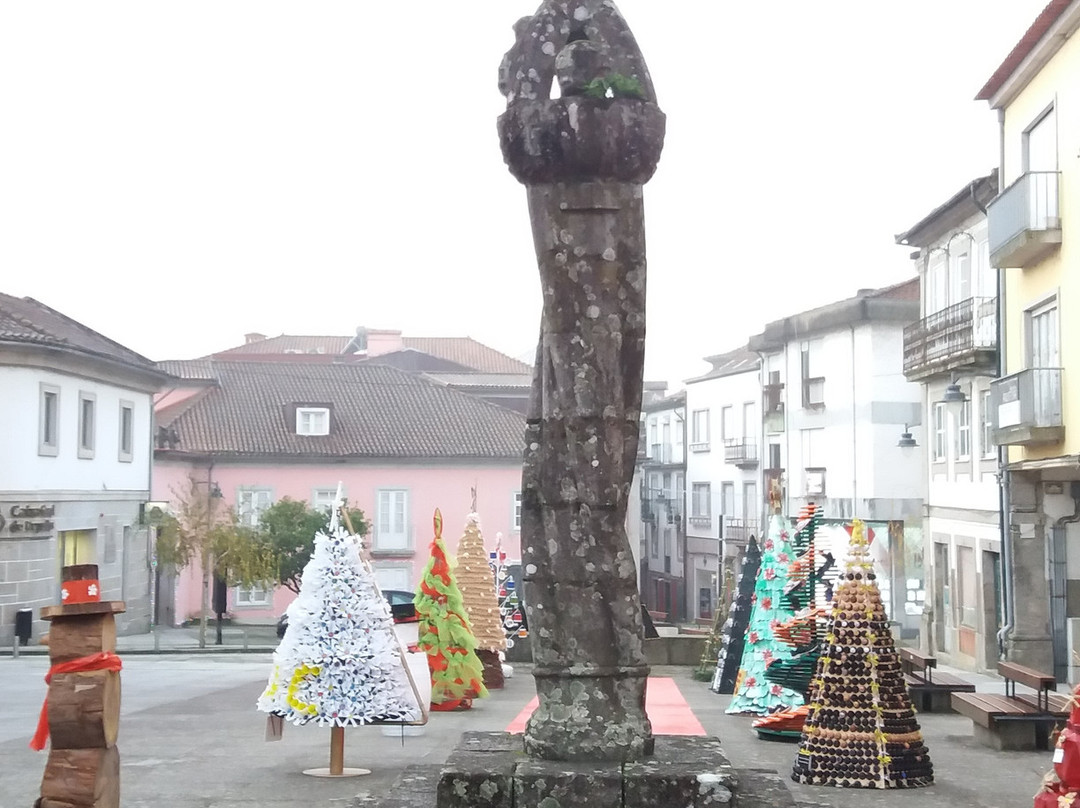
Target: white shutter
[392, 521]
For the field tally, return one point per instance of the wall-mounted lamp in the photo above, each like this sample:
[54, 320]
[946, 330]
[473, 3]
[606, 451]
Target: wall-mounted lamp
[906, 440]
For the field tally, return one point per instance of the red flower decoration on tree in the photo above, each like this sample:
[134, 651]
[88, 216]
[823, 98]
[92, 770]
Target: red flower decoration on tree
[770, 574]
[766, 603]
[783, 558]
[775, 690]
[754, 637]
[767, 656]
[751, 681]
[768, 545]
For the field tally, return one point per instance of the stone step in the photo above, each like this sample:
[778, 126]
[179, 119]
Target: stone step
[766, 788]
[415, 788]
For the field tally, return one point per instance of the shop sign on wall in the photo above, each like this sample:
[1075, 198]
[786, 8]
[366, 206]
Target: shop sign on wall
[27, 521]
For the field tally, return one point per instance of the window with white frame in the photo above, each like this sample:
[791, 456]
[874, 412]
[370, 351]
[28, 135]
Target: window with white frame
[699, 430]
[727, 499]
[127, 431]
[812, 371]
[392, 520]
[963, 431]
[813, 453]
[249, 596]
[49, 421]
[940, 433]
[322, 499]
[727, 426]
[701, 501]
[515, 512]
[937, 282]
[986, 422]
[312, 421]
[250, 504]
[87, 424]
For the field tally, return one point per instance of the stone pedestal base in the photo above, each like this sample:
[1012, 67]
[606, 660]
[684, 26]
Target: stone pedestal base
[490, 770]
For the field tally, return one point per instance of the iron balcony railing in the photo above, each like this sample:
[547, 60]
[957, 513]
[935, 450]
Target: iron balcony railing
[1027, 406]
[739, 531]
[741, 451]
[950, 337]
[1029, 204]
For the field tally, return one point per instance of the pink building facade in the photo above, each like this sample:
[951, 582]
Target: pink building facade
[398, 501]
[255, 430]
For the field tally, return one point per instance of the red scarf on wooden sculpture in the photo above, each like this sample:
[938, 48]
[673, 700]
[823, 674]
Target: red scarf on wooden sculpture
[104, 661]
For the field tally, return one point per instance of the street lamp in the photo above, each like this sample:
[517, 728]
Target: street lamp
[906, 440]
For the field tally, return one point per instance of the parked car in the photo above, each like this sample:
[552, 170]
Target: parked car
[401, 607]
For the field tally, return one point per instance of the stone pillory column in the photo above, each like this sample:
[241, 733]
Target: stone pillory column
[584, 158]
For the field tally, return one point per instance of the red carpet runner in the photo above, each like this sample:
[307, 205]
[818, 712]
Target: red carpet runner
[667, 709]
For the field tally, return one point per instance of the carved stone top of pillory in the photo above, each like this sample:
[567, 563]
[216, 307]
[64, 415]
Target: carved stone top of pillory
[605, 125]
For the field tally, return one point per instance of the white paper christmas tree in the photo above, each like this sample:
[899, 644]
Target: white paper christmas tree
[339, 664]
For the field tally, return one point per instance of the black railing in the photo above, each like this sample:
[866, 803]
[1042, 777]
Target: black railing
[741, 451]
[951, 337]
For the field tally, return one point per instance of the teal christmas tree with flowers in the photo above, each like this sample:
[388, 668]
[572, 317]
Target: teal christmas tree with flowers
[753, 692]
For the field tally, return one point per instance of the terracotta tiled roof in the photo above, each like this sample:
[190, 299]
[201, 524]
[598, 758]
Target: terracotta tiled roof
[463, 351]
[1043, 23]
[190, 369]
[25, 320]
[741, 360]
[521, 381]
[376, 412]
[291, 344]
[467, 352]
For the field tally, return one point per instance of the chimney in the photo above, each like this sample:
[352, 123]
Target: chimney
[253, 337]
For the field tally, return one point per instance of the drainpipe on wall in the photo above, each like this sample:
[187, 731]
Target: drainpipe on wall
[1004, 497]
[854, 428]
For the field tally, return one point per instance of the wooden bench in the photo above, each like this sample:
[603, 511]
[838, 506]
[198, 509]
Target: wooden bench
[930, 691]
[1015, 720]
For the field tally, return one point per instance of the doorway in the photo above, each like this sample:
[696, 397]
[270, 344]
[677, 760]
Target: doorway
[941, 596]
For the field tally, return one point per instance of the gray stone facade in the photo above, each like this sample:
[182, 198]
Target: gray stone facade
[115, 541]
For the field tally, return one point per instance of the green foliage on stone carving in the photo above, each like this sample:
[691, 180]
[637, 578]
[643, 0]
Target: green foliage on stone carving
[615, 86]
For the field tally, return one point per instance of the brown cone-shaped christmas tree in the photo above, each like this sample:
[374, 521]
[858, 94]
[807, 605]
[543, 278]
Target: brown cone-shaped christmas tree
[477, 587]
[861, 730]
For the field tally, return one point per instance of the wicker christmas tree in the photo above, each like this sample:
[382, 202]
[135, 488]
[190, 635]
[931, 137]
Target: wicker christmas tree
[861, 730]
[753, 693]
[481, 605]
[445, 633]
[738, 620]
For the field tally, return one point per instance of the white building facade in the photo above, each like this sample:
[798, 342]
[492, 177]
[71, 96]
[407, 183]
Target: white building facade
[77, 449]
[836, 405]
[723, 471]
[952, 352]
[663, 558]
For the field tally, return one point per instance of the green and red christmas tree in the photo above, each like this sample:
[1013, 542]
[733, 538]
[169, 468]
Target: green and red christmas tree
[445, 634]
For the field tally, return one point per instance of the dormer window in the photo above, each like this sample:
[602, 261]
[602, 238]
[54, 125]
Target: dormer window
[312, 421]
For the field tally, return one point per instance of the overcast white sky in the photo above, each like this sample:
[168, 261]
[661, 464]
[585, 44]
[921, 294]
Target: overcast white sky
[175, 174]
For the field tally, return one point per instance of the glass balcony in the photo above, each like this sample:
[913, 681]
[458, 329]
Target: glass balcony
[1024, 221]
[1027, 406]
[962, 335]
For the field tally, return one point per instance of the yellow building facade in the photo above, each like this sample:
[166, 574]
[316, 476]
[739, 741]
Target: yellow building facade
[1034, 241]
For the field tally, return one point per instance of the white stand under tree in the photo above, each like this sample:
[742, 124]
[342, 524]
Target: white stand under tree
[340, 663]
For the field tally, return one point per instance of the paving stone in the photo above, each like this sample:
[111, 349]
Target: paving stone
[471, 779]
[684, 771]
[563, 784]
[415, 788]
[760, 788]
[491, 742]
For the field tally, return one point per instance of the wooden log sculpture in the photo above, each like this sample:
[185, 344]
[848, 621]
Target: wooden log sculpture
[81, 716]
